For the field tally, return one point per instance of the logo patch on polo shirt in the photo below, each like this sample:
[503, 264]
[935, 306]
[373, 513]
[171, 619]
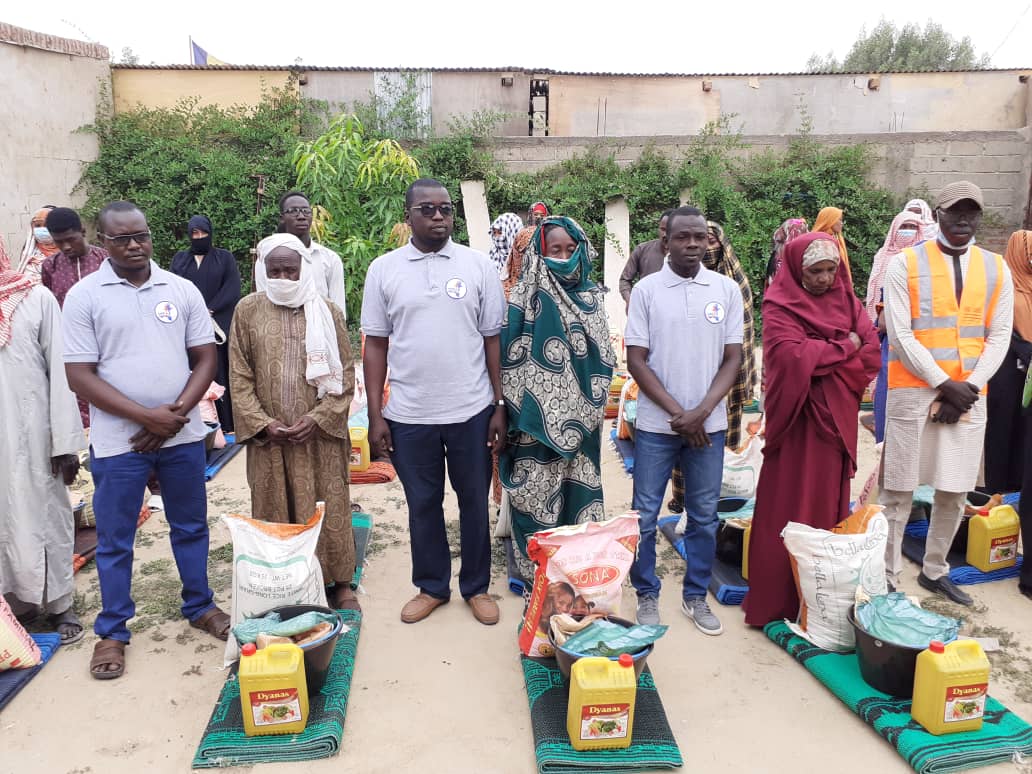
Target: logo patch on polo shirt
[715, 312]
[166, 312]
[455, 288]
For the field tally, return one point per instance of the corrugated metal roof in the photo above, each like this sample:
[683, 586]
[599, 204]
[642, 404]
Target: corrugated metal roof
[542, 71]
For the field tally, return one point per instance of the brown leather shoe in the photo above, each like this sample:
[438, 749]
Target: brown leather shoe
[419, 607]
[484, 609]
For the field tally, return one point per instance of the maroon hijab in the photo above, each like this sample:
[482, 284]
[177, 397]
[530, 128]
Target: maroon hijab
[813, 372]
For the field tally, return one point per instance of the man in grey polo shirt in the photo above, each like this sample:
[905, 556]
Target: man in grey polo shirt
[433, 310]
[684, 345]
[139, 346]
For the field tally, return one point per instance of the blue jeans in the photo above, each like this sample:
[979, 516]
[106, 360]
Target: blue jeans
[120, 483]
[703, 470]
[419, 456]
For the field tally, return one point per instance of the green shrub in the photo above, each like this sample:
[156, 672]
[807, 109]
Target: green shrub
[192, 160]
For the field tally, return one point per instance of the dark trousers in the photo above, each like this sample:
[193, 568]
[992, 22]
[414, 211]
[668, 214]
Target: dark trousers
[120, 481]
[419, 457]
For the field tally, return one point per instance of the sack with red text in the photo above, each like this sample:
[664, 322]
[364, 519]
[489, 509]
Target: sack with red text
[17, 649]
[580, 570]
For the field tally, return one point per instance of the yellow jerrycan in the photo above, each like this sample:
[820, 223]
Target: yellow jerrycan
[273, 692]
[360, 459]
[993, 539]
[600, 714]
[951, 685]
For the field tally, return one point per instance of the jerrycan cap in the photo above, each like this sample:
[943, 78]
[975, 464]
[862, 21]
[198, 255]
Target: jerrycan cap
[983, 512]
[936, 647]
[626, 660]
[248, 649]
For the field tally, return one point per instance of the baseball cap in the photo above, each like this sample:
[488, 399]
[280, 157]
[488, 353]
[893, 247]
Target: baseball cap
[955, 192]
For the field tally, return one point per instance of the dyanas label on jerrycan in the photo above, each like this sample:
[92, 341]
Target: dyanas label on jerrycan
[600, 714]
[993, 539]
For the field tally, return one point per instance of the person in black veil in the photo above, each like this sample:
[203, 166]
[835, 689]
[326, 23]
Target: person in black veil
[214, 271]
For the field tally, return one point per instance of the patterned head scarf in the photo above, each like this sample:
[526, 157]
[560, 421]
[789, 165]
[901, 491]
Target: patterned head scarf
[825, 222]
[1019, 259]
[723, 260]
[784, 234]
[919, 207]
[509, 224]
[14, 287]
[895, 243]
[36, 250]
[573, 274]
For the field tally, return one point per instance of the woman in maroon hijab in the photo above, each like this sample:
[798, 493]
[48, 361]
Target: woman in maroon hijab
[820, 351]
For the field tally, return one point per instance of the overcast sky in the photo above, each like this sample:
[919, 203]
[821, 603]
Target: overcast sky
[638, 36]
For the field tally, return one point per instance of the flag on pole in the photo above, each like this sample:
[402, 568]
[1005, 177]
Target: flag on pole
[199, 56]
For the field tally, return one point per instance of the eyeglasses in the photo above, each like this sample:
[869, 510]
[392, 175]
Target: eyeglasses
[428, 210]
[123, 240]
[298, 211]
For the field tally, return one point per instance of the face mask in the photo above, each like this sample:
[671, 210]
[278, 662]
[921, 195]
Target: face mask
[284, 292]
[942, 240]
[907, 233]
[200, 246]
[41, 234]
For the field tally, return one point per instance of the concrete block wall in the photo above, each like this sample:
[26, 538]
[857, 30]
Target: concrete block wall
[50, 87]
[997, 161]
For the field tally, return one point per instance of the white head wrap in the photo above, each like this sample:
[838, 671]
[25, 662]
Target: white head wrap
[323, 369]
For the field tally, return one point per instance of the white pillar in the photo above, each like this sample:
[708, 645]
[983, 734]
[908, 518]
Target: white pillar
[617, 251]
[478, 221]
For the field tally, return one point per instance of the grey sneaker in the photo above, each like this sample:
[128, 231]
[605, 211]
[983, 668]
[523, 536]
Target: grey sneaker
[699, 611]
[648, 610]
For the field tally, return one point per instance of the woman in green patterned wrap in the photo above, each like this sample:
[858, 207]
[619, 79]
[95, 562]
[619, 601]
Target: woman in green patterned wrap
[557, 364]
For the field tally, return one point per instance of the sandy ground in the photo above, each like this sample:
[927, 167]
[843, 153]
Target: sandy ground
[446, 695]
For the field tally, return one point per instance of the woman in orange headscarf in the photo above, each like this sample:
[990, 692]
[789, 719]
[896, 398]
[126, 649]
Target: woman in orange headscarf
[829, 220]
[1008, 437]
[39, 245]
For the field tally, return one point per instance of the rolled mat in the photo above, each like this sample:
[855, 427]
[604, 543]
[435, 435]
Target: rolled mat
[625, 448]
[726, 582]
[13, 680]
[361, 527]
[377, 473]
[219, 458]
[225, 744]
[1003, 734]
[961, 573]
[85, 546]
[652, 743]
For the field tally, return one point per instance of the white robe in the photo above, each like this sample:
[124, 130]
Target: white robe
[917, 450]
[39, 418]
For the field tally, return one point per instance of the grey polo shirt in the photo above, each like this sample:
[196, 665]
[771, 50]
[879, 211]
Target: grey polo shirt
[684, 324]
[138, 338]
[436, 309]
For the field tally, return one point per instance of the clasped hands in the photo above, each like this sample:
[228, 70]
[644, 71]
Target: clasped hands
[956, 398]
[690, 425]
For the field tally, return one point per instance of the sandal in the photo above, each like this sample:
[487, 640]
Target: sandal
[68, 626]
[344, 598]
[214, 622]
[108, 653]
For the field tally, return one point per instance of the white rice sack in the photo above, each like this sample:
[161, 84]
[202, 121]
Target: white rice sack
[742, 469]
[274, 564]
[17, 649]
[829, 568]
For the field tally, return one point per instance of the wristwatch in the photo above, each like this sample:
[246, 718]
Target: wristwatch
[499, 402]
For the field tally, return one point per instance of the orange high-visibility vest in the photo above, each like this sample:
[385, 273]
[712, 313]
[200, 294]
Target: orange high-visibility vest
[955, 336]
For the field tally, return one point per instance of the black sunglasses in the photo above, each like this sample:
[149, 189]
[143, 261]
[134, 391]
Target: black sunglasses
[123, 240]
[428, 210]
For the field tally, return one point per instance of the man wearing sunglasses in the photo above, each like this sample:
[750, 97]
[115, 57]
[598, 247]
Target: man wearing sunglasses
[433, 311]
[327, 268]
[139, 347]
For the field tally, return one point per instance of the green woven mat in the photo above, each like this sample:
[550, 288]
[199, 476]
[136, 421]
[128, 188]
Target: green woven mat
[225, 744]
[652, 745]
[1003, 733]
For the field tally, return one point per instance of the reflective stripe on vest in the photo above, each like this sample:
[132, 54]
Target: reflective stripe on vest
[953, 334]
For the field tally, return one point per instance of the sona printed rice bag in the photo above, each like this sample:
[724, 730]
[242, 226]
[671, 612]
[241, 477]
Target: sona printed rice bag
[17, 649]
[580, 569]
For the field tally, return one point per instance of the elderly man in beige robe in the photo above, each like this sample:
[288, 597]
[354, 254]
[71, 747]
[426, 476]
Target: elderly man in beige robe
[42, 436]
[292, 378]
[949, 307]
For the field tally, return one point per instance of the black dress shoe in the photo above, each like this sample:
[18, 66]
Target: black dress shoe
[1026, 590]
[946, 587]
